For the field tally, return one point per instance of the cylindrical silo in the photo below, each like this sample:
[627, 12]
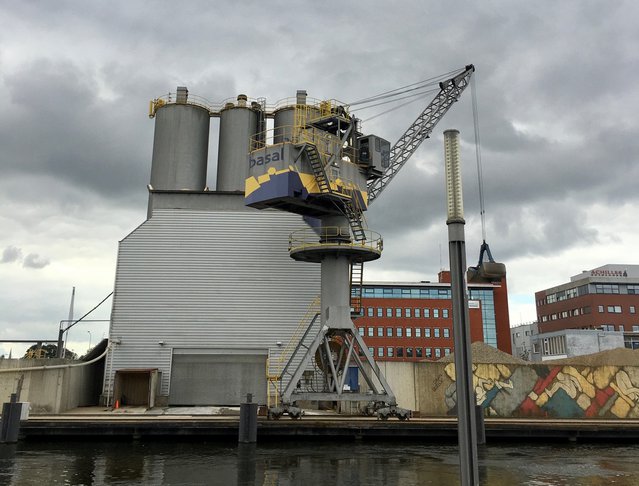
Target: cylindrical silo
[180, 147]
[284, 117]
[238, 125]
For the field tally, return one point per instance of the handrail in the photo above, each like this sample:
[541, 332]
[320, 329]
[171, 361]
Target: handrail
[323, 107]
[331, 236]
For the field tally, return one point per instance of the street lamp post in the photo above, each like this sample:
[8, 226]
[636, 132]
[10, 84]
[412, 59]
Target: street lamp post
[89, 341]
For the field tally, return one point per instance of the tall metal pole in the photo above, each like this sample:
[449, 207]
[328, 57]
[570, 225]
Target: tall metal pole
[467, 431]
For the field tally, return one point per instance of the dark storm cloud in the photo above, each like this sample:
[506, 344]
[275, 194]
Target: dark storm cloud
[555, 83]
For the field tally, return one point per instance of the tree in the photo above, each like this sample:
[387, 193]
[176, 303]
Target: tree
[44, 351]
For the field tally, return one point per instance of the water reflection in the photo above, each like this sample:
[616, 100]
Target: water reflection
[309, 463]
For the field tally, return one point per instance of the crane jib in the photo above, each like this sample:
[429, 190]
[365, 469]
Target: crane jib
[450, 91]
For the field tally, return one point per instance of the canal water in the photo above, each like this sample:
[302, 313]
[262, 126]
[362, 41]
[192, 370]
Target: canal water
[310, 463]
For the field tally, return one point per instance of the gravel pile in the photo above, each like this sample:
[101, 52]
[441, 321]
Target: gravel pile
[486, 354]
[611, 357]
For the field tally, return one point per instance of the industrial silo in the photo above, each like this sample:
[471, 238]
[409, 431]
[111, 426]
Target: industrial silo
[180, 145]
[284, 117]
[239, 126]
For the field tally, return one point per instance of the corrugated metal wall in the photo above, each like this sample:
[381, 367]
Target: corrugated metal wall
[206, 279]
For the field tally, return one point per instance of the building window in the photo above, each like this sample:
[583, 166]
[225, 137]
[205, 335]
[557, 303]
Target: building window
[389, 332]
[427, 332]
[380, 332]
[370, 350]
[418, 313]
[633, 289]
[389, 351]
[389, 312]
[438, 353]
[445, 313]
[426, 313]
[409, 352]
[370, 312]
[436, 332]
[380, 352]
[380, 312]
[614, 309]
[535, 348]
[407, 312]
[400, 352]
[398, 312]
[418, 353]
[429, 352]
[446, 351]
[418, 332]
[600, 308]
[632, 309]
[361, 331]
[606, 288]
[446, 332]
[370, 332]
[435, 313]
[635, 328]
[399, 331]
[621, 328]
[409, 332]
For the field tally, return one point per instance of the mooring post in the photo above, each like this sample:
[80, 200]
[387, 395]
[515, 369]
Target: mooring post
[481, 426]
[248, 421]
[10, 428]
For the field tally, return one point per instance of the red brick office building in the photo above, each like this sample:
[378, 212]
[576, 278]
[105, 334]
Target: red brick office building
[414, 321]
[604, 298]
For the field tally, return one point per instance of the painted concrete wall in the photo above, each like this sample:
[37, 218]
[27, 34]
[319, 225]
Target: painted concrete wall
[51, 390]
[506, 390]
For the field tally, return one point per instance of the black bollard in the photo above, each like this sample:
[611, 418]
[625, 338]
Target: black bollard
[248, 421]
[10, 420]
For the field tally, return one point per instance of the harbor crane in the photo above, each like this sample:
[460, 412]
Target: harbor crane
[325, 169]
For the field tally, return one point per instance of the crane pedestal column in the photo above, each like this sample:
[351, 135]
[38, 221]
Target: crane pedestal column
[337, 343]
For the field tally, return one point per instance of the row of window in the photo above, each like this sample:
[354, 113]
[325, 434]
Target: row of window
[405, 293]
[616, 309]
[403, 332]
[579, 311]
[611, 309]
[630, 289]
[611, 327]
[400, 352]
[406, 312]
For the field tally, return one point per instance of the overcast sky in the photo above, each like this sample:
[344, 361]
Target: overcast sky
[557, 94]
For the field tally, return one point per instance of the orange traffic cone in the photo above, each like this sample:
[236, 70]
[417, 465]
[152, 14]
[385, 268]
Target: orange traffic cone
[117, 404]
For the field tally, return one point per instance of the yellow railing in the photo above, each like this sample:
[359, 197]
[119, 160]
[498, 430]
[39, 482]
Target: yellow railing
[333, 235]
[274, 378]
[320, 108]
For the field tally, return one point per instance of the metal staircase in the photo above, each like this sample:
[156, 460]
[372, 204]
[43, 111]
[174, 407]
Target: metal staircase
[317, 165]
[281, 369]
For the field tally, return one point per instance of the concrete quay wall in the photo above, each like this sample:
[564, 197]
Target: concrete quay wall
[51, 388]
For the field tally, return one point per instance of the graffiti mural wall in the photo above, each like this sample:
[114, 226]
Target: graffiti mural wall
[548, 390]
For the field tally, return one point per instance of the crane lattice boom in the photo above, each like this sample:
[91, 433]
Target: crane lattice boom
[450, 91]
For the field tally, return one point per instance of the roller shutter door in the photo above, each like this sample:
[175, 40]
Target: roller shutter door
[201, 378]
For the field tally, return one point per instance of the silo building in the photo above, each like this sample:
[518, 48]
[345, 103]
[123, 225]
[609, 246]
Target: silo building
[205, 291]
